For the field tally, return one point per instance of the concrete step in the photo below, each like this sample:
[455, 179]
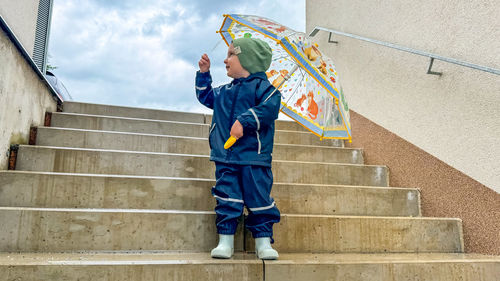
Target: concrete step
[132, 125]
[278, 125]
[305, 138]
[170, 128]
[88, 161]
[132, 112]
[365, 234]
[61, 230]
[155, 114]
[78, 138]
[140, 266]
[55, 190]
[156, 266]
[383, 267]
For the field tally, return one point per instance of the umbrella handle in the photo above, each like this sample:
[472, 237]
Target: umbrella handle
[230, 141]
[294, 68]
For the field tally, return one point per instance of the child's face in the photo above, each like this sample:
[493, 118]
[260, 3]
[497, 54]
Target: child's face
[233, 65]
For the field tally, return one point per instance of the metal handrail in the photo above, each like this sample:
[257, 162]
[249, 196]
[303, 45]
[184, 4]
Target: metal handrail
[406, 49]
[6, 29]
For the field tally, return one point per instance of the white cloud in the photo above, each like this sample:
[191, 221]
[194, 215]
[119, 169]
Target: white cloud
[145, 53]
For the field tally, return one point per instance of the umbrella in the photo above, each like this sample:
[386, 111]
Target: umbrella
[309, 85]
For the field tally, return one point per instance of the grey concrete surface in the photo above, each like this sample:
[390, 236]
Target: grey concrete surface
[68, 160]
[382, 267]
[361, 234]
[155, 114]
[132, 112]
[130, 266]
[55, 190]
[172, 128]
[49, 136]
[279, 125]
[23, 97]
[144, 221]
[131, 125]
[305, 138]
[199, 266]
[61, 230]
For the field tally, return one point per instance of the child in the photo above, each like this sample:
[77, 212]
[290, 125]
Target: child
[242, 109]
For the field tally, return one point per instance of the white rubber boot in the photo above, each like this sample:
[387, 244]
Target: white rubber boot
[225, 249]
[264, 250]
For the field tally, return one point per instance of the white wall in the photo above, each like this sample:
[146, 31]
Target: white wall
[21, 16]
[455, 117]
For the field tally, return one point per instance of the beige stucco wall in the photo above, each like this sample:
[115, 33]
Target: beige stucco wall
[24, 99]
[455, 117]
[21, 16]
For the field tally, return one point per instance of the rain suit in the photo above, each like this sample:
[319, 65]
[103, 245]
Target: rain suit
[243, 172]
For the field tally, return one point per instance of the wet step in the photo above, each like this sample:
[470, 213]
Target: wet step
[140, 266]
[89, 161]
[56, 190]
[147, 266]
[156, 114]
[78, 138]
[61, 230]
[170, 128]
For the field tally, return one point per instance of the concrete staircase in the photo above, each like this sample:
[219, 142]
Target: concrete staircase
[116, 193]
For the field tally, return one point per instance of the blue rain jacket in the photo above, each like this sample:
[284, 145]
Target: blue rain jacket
[242, 100]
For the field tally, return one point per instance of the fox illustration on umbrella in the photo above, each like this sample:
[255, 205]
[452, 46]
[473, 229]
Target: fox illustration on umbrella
[312, 106]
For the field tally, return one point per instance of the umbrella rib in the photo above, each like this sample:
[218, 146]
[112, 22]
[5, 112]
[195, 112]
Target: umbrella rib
[216, 45]
[283, 57]
[296, 88]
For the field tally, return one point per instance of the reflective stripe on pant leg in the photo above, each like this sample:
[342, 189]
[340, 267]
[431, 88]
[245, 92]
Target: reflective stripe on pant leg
[229, 198]
[263, 213]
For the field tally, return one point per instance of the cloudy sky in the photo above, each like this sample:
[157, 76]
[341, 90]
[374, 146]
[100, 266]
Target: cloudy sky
[144, 53]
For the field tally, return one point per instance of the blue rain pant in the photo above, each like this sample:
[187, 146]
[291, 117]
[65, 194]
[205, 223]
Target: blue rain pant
[244, 185]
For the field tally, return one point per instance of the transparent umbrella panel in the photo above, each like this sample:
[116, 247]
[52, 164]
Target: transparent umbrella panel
[310, 94]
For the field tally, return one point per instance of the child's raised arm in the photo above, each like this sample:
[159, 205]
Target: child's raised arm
[204, 63]
[203, 83]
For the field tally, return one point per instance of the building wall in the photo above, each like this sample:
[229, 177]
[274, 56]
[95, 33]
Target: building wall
[454, 117]
[21, 16]
[24, 98]
[445, 191]
[439, 134]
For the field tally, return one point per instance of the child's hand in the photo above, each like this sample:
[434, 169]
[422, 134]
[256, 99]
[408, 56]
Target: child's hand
[237, 130]
[204, 63]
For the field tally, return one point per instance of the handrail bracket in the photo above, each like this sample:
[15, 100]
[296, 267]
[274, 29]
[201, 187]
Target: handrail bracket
[330, 39]
[429, 71]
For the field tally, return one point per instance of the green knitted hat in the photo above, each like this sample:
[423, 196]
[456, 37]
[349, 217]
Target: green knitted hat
[254, 54]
